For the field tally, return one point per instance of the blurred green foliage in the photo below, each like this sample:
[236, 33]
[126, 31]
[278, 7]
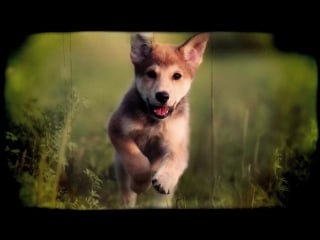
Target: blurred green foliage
[253, 120]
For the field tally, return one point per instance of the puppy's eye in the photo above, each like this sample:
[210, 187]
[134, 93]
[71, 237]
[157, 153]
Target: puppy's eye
[152, 74]
[176, 76]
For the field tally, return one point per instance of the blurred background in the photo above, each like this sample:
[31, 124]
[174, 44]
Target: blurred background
[253, 120]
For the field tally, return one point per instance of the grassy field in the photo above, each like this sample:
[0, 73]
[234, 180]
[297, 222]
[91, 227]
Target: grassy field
[253, 120]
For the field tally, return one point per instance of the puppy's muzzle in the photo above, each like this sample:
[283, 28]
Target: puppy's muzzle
[161, 110]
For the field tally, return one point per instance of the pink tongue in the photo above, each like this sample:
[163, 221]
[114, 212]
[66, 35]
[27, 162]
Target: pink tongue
[161, 111]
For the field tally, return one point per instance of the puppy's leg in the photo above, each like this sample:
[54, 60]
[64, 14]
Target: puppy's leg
[127, 196]
[135, 164]
[165, 180]
[160, 200]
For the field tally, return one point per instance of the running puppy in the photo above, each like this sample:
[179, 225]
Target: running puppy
[150, 128]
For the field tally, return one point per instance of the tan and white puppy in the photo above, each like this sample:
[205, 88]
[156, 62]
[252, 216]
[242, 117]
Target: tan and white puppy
[150, 128]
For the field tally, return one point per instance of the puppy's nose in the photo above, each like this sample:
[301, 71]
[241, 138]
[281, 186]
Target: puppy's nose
[162, 97]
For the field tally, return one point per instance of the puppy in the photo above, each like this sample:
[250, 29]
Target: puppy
[150, 128]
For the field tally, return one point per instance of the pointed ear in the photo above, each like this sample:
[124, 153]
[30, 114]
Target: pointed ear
[141, 46]
[193, 49]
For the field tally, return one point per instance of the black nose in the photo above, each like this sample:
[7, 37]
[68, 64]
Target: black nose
[162, 97]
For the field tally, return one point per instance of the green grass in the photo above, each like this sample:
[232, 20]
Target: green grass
[61, 88]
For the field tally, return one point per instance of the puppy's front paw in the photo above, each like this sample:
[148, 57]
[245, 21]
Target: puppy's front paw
[158, 187]
[163, 182]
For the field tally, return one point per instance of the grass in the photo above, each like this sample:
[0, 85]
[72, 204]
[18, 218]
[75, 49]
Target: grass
[253, 121]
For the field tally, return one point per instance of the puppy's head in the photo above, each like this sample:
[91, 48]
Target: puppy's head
[163, 72]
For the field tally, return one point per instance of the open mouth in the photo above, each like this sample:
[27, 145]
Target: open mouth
[160, 111]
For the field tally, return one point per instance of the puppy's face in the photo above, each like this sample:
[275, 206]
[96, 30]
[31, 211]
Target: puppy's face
[164, 73]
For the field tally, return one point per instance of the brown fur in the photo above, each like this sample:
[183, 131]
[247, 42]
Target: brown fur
[150, 133]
